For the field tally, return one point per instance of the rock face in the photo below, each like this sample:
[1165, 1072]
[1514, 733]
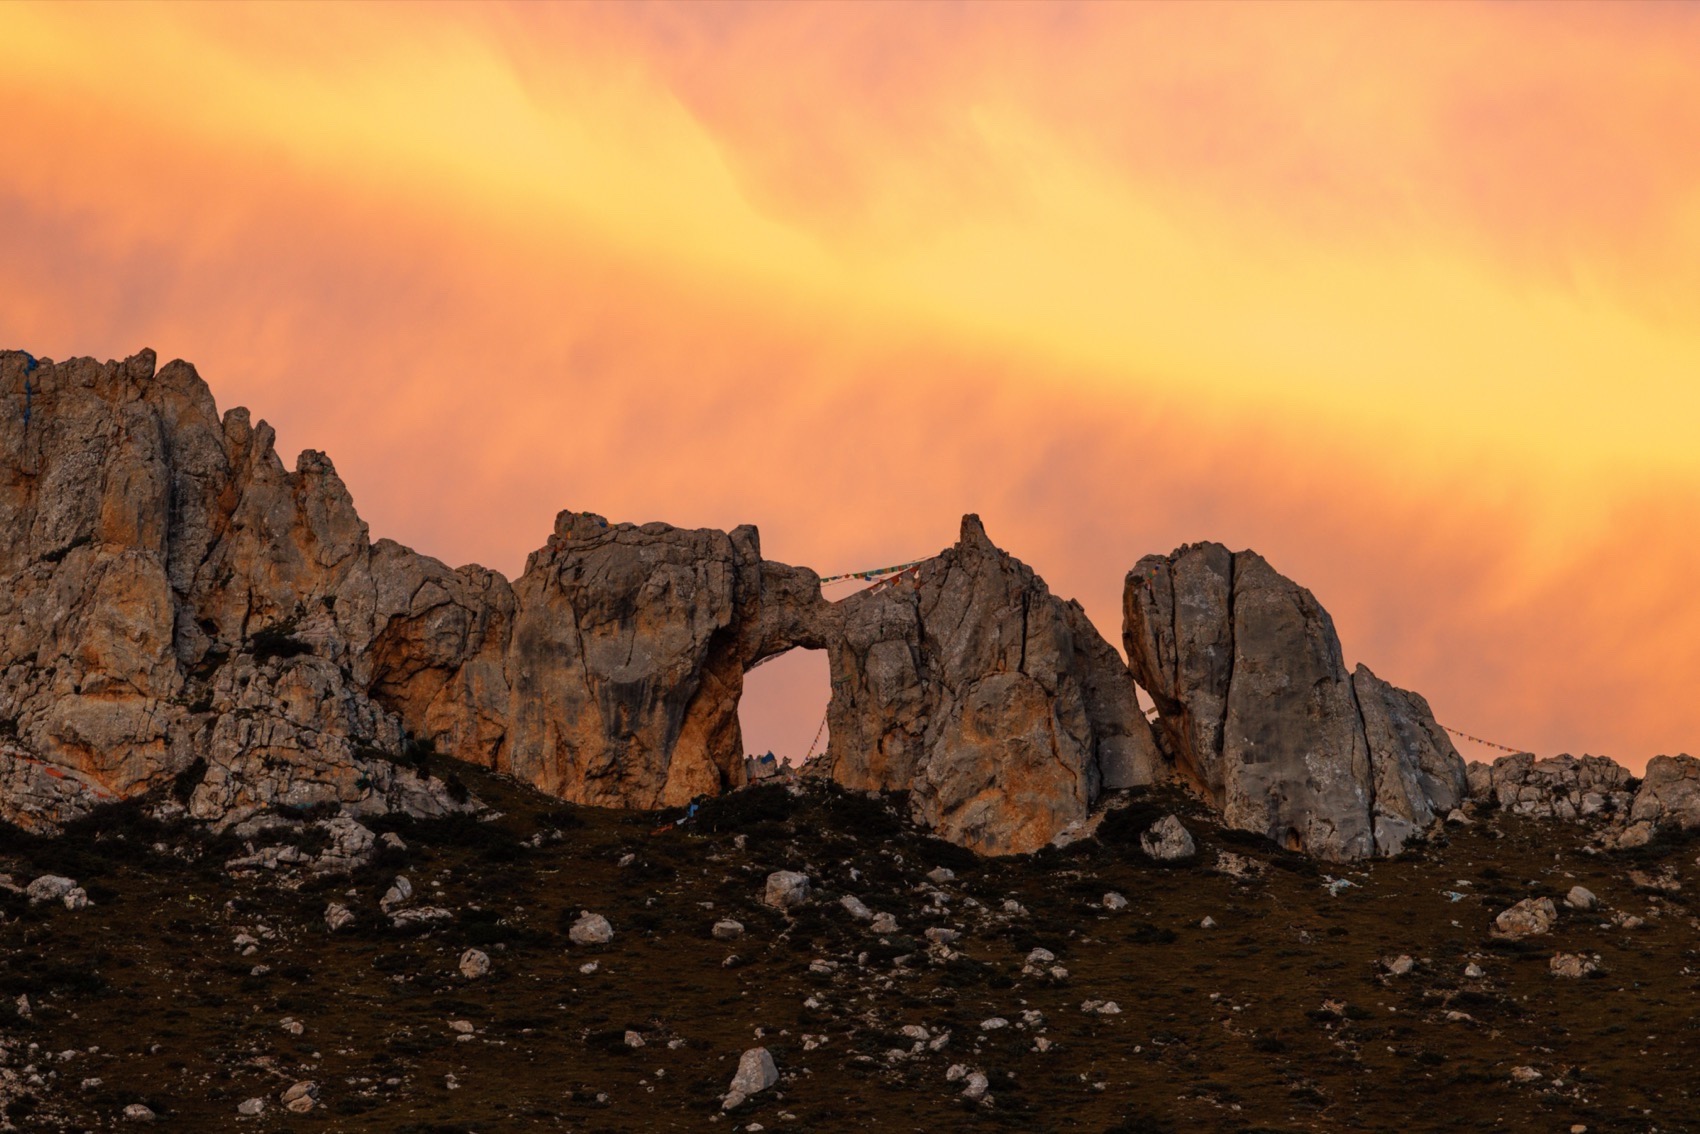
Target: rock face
[1257, 710]
[177, 604]
[624, 688]
[1561, 787]
[1668, 798]
[996, 703]
[181, 610]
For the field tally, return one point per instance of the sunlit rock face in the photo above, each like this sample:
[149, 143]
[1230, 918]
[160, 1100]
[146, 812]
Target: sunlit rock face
[997, 704]
[176, 601]
[182, 608]
[1259, 713]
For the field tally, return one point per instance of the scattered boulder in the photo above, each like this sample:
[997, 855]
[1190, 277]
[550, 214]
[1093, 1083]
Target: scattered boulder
[1581, 898]
[1168, 841]
[338, 916]
[785, 889]
[49, 888]
[727, 930]
[756, 1073]
[855, 907]
[1573, 966]
[301, 1097]
[1528, 918]
[250, 1108]
[590, 929]
[352, 845]
[474, 963]
[398, 895]
[1114, 901]
[136, 1112]
[1664, 881]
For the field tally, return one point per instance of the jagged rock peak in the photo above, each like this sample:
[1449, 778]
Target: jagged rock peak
[178, 605]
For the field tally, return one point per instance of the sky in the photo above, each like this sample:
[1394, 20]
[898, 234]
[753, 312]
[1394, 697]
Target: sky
[1405, 297]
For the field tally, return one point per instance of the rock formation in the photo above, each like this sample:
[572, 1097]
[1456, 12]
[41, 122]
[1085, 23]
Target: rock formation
[1560, 787]
[1668, 799]
[182, 609]
[176, 604]
[1257, 710]
[997, 704]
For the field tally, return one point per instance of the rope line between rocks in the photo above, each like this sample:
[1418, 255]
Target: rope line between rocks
[875, 573]
[810, 754]
[1479, 740]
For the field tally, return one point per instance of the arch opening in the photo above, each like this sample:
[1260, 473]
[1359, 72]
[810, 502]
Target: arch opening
[782, 711]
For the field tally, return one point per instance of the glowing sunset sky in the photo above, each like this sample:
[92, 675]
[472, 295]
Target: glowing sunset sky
[1405, 297]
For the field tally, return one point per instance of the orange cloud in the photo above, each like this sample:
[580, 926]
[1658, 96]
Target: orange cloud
[1401, 296]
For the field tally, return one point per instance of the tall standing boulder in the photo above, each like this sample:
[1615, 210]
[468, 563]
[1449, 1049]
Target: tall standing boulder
[1257, 709]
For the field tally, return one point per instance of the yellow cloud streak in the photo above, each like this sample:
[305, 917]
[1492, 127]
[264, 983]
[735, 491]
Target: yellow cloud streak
[1078, 269]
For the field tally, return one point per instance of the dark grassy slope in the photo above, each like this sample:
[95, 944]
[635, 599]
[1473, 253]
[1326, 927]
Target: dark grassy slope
[1278, 1018]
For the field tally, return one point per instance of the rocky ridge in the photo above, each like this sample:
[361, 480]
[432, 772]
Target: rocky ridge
[187, 617]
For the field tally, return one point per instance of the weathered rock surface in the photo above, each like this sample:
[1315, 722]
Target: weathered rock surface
[181, 610]
[1668, 798]
[180, 607]
[1168, 840]
[1418, 775]
[785, 889]
[1528, 918]
[997, 704]
[175, 602]
[1257, 709]
[1560, 787]
[756, 1073]
[590, 929]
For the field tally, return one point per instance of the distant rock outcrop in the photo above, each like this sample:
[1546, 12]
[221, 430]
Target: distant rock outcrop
[1559, 787]
[1257, 709]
